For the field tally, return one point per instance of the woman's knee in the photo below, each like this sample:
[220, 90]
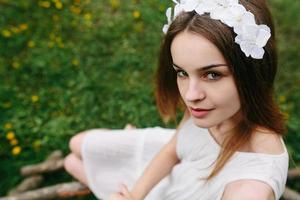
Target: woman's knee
[70, 162]
[75, 143]
[74, 166]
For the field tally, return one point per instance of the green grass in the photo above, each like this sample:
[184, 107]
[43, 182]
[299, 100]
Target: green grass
[94, 68]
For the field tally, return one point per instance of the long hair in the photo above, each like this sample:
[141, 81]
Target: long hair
[254, 78]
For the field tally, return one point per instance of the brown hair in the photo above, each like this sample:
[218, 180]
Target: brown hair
[254, 78]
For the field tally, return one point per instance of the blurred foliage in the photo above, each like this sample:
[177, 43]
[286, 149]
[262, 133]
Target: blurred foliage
[72, 65]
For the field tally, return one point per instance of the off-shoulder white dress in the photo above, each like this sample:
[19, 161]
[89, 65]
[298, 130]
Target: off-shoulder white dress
[115, 156]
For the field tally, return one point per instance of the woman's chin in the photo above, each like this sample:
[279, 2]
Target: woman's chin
[202, 123]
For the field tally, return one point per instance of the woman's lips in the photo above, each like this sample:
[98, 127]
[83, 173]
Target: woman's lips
[199, 112]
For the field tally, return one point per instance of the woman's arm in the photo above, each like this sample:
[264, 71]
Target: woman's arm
[159, 167]
[248, 190]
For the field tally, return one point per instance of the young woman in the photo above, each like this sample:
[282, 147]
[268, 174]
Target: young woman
[218, 63]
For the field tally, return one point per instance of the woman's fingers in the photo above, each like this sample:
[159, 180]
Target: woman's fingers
[129, 126]
[117, 196]
[125, 192]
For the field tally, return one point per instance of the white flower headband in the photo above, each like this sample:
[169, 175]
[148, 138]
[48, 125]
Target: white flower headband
[250, 36]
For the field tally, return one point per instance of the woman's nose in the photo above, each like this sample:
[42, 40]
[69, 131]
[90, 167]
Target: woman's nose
[194, 92]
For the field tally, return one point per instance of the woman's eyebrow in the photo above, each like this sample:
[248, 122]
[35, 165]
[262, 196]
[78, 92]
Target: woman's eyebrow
[205, 68]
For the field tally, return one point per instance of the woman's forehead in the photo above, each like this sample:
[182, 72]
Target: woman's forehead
[191, 49]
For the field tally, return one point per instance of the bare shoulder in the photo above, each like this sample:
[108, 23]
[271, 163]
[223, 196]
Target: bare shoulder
[267, 142]
[248, 190]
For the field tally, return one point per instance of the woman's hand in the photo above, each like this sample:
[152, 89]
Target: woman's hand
[123, 194]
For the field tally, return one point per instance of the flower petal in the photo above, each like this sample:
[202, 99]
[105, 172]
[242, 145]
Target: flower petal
[199, 9]
[177, 10]
[257, 52]
[238, 39]
[235, 13]
[246, 48]
[262, 37]
[189, 6]
[218, 13]
[169, 14]
[208, 6]
[265, 27]
[165, 28]
[248, 18]
[250, 32]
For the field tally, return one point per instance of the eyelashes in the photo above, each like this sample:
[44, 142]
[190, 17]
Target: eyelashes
[209, 75]
[213, 75]
[181, 73]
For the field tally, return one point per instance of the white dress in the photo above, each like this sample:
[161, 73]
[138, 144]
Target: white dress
[120, 156]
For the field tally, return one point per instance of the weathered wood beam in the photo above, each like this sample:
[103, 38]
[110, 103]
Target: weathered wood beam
[294, 174]
[59, 191]
[290, 194]
[53, 163]
[29, 183]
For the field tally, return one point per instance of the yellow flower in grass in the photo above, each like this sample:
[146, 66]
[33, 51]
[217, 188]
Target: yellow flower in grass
[58, 39]
[44, 4]
[286, 115]
[15, 29]
[75, 9]
[10, 135]
[282, 99]
[161, 8]
[8, 125]
[14, 142]
[35, 98]
[15, 65]
[136, 14]
[37, 144]
[6, 33]
[52, 36]
[115, 4]
[138, 27]
[58, 5]
[23, 26]
[16, 150]
[31, 44]
[87, 16]
[75, 62]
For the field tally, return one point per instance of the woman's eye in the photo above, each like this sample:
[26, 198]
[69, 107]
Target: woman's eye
[213, 76]
[181, 73]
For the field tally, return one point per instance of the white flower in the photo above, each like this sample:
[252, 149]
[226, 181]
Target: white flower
[169, 16]
[226, 3]
[252, 50]
[200, 6]
[232, 15]
[263, 35]
[250, 36]
[177, 10]
[237, 15]
[253, 39]
[191, 5]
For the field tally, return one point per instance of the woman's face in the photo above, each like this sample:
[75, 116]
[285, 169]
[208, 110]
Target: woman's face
[204, 81]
